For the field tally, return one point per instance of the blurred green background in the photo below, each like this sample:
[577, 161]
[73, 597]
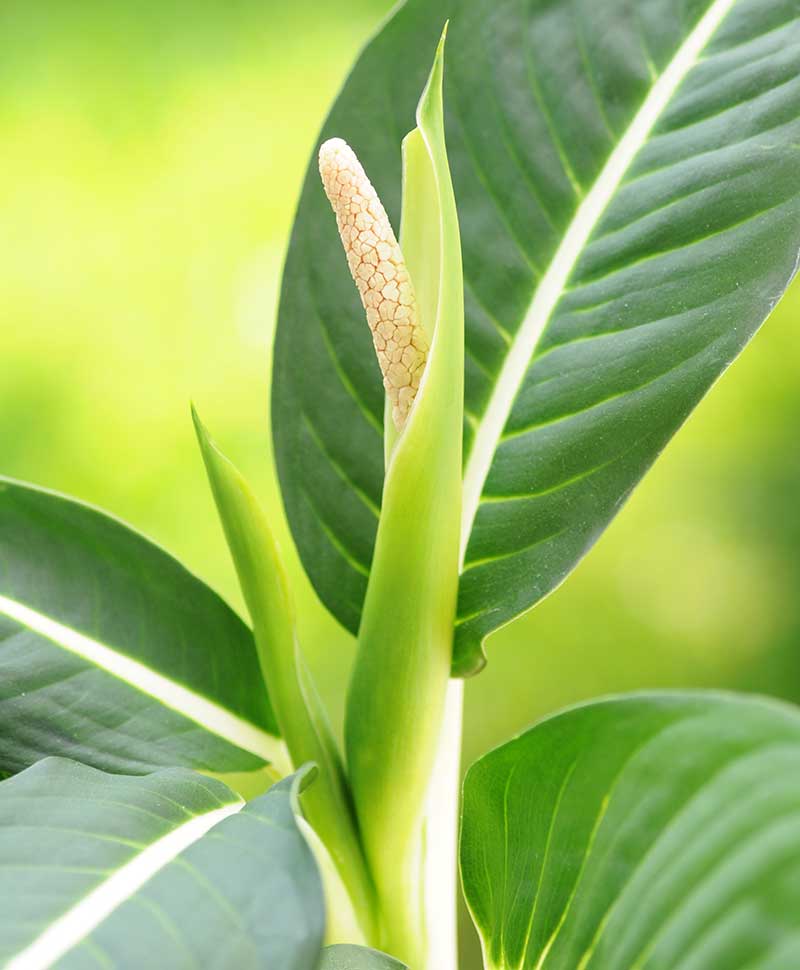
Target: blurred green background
[152, 155]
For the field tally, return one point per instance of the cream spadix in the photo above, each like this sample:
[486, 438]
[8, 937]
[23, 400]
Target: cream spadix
[379, 270]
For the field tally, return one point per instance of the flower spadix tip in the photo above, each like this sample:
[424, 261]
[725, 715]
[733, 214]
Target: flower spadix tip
[380, 274]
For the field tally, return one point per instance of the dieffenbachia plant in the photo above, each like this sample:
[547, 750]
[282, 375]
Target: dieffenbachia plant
[597, 210]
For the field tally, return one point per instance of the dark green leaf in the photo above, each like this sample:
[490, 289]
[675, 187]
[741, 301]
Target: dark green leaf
[628, 183]
[649, 832]
[113, 654]
[166, 870]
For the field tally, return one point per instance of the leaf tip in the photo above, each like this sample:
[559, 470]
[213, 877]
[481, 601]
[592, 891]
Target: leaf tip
[196, 421]
[430, 103]
[204, 439]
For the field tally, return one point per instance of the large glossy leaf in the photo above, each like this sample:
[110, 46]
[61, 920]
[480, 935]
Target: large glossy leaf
[113, 654]
[629, 194]
[649, 832]
[166, 870]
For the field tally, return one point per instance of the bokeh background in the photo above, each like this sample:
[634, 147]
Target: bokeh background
[151, 156]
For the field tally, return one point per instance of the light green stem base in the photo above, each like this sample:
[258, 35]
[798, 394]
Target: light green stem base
[440, 863]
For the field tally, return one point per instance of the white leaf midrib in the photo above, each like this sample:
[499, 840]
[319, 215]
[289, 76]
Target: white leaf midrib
[202, 711]
[552, 284]
[79, 921]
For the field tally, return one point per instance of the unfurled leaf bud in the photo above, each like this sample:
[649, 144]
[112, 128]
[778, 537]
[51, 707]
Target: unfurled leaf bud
[380, 274]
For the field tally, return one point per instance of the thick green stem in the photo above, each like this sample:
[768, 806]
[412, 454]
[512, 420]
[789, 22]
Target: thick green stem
[395, 712]
[440, 862]
[419, 898]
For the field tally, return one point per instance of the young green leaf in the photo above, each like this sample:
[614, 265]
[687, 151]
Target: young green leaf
[115, 655]
[656, 831]
[396, 698]
[169, 870]
[629, 193]
[327, 803]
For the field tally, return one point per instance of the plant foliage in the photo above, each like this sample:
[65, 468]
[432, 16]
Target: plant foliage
[622, 213]
[627, 192]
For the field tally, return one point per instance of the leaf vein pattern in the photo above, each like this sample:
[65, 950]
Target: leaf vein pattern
[693, 160]
[602, 811]
[676, 816]
[545, 859]
[491, 499]
[580, 43]
[531, 428]
[508, 139]
[332, 537]
[483, 177]
[504, 334]
[337, 466]
[538, 97]
[476, 563]
[100, 956]
[651, 257]
[347, 383]
[752, 837]
[586, 218]
[168, 925]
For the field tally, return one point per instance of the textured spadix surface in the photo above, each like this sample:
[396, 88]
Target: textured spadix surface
[379, 271]
[627, 180]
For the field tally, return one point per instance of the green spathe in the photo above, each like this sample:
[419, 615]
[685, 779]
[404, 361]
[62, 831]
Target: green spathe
[396, 698]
